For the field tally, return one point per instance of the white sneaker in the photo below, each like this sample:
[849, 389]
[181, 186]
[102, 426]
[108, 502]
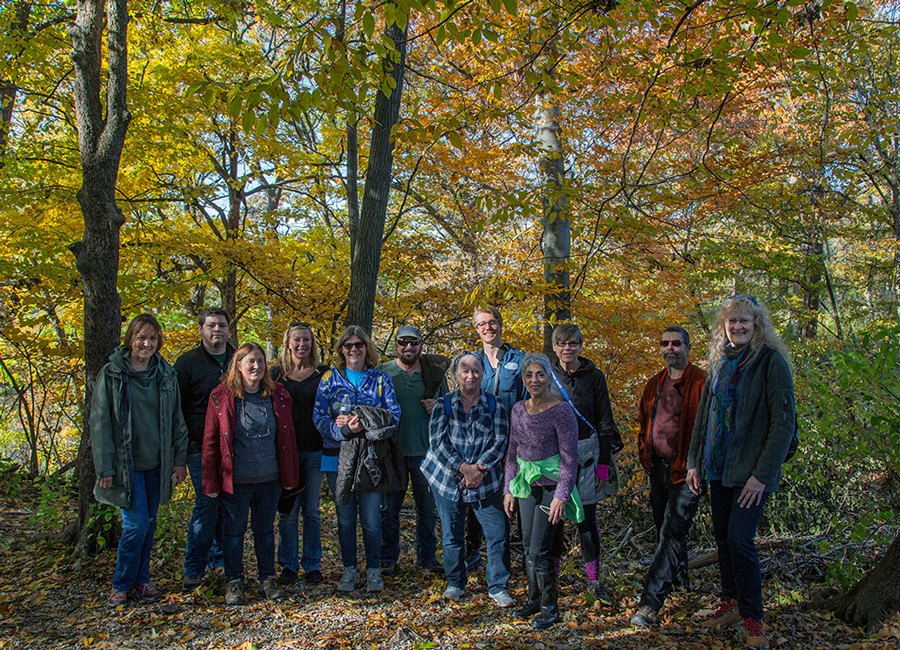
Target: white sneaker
[373, 580]
[348, 582]
[503, 599]
[454, 593]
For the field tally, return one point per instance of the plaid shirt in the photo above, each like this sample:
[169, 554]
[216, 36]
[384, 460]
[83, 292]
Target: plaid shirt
[475, 438]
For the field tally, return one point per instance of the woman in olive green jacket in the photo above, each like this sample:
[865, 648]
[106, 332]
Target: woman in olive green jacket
[139, 443]
[744, 426]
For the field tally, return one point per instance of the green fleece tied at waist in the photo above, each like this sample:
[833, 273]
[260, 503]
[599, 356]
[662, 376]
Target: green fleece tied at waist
[531, 470]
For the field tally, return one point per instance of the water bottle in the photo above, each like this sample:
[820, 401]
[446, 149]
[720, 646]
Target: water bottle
[343, 405]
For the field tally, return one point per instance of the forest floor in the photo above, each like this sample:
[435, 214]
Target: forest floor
[48, 599]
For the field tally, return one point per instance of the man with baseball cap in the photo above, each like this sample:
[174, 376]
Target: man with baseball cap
[419, 382]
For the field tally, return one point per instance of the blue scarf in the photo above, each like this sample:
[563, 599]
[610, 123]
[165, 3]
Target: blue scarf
[720, 425]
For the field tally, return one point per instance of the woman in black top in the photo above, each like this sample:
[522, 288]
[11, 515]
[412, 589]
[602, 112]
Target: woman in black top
[299, 372]
[598, 438]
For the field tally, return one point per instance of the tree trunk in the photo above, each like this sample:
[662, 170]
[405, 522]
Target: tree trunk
[874, 598]
[8, 89]
[367, 254]
[556, 241]
[100, 142]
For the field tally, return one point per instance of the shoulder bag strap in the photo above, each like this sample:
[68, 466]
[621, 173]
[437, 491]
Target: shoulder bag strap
[569, 400]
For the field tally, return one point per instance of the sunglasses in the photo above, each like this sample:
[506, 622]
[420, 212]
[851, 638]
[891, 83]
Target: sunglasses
[359, 345]
[404, 342]
[299, 323]
[674, 344]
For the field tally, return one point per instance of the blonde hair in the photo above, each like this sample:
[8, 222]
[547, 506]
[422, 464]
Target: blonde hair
[235, 381]
[286, 359]
[372, 356]
[763, 330]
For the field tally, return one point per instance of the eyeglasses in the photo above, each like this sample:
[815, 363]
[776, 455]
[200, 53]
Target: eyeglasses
[405, 342]
[299, 323]
[675, 344]
[487, 323]
[569, 344]
[359, 345]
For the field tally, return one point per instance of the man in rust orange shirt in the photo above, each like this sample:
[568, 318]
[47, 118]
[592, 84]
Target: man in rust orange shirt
[667, 411]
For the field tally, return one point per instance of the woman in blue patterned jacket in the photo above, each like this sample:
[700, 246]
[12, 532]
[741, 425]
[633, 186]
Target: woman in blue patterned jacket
[355, 381]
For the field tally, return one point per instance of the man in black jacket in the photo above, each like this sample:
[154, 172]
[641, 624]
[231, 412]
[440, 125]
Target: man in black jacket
[199, 371]
[418, 382]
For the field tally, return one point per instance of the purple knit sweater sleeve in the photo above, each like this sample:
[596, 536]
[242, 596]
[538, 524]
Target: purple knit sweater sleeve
[536, 437]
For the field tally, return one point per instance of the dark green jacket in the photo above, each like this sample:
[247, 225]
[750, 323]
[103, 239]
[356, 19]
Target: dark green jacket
[763, 419]
[111, 430]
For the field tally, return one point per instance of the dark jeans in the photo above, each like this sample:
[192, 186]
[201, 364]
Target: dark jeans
[138, 527]
[496, 529]
[204, 538]
[426, 517]
[261, 500]
[368, 506]
[538, 533]
[308, 502]
[735, 530]
[674, 507]
[588, 536]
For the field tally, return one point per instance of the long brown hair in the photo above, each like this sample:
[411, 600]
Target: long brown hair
[372, 356]
[286, 359]
[235, 381]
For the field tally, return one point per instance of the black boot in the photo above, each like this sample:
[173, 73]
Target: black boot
[548, 583]
[533, 604]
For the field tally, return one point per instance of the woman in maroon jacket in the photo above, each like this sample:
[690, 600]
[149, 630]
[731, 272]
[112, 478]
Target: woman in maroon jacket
[249, 455]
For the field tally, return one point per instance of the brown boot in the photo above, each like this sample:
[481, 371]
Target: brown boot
[726, 614]
[756, 636]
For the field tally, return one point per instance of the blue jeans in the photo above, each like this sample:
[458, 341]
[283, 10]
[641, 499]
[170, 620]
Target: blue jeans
[735, 530]
[496, 529]
[426, 517]
[308, 500]
[674, 507]
[261, 500]
[138, 526]
[368, 504]
[204, 538]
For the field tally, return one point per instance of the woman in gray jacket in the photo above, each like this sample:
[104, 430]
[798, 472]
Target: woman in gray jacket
[744, 426]
[139, 442]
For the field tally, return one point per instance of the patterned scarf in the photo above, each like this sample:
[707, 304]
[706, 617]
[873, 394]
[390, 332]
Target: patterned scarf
[719, 426]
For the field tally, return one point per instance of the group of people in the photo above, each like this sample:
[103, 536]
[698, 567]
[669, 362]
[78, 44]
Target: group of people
[520, 433]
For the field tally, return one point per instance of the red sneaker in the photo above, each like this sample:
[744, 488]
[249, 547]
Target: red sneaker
[726, 614]
[148, 593]
[117, 598]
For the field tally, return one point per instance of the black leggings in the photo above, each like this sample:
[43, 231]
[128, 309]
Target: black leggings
[588, 536]
[538, 534]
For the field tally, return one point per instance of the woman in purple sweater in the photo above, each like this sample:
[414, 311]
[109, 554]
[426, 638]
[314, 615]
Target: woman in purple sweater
[541, 469]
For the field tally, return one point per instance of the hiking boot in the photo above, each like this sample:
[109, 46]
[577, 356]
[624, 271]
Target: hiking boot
[348, 581]
[454, 593]
[434, 566]
[191, 582]
[388, 568]
[373, 580]
[726, 614]
[645, 616]
[147, 592]
[234, 592]
[287, 577]
[270, 589]
[117, 597]
[599, 591]
[313, 577]
[756, 636]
